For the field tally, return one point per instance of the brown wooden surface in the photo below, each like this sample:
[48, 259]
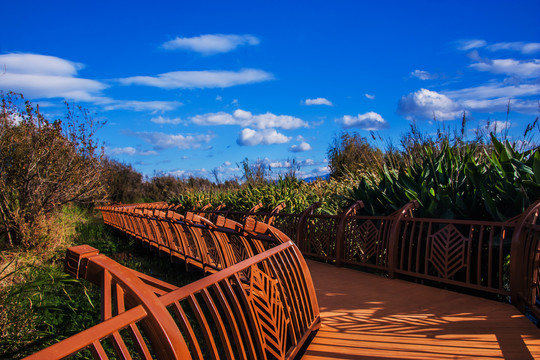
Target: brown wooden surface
[365, 316]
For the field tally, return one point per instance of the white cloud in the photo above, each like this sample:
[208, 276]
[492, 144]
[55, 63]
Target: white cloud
[131, 151]
[41, 76]
[522, 69]
[519, 46]
[423, 75]
[429, 104]
[369, 96]
[211, 43]
[465, 45]
[24, 63]
[368, 121]
[494, 91]
[180, 173]
[245, 119]
[219, 98]
[135, 105]
[280, 164]
[318, 101]
[501, 105]
[180, 141]
[307, 162]
[323, 170]
[200, 79]
[303, 146]
[166, 120]
[523, 47]
[495, 126]
[249, 137]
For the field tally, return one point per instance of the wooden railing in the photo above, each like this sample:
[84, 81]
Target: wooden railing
[261, 305]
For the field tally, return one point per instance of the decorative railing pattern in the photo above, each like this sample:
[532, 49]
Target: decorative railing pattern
[467, 253]
[260, 305]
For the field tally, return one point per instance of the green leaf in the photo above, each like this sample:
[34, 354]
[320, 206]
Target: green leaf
[536, 166]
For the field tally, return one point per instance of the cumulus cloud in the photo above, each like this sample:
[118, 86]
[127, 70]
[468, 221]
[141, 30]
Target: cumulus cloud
[369, 96]
[166, 141]
[250, 137]
[131, 151]
[245, 119]
[303, 146]
[318, 101]
[199, 79]
[368, 121]
[166, 120]
[41, 76]
[522, 69]
[423, 75]
[428, 105]
[210, 43]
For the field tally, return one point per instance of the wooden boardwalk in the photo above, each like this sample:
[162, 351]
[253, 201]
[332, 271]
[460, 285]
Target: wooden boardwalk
[365, 316]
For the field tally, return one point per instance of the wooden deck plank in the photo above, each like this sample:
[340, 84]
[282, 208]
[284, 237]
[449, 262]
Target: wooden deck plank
[365, 316]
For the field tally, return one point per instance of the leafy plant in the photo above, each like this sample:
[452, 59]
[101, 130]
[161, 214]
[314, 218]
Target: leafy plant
[491, 183]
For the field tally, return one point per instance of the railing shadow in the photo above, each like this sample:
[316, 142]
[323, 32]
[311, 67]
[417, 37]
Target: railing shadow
[368, 317]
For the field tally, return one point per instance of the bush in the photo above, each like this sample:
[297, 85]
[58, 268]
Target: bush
[123, 183]
[350, 154]
[43, 165]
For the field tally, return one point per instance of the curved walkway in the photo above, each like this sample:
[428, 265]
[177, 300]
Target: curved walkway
[366, 316]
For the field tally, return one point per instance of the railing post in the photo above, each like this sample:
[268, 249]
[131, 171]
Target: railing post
[340, 246]
[269, 219]
[519, 278]
[301, 228]
[393, 237]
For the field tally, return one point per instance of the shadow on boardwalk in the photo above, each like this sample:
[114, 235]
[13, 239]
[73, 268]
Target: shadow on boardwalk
[365, 316]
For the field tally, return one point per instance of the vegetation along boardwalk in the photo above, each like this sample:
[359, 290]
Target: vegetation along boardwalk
[365, 316]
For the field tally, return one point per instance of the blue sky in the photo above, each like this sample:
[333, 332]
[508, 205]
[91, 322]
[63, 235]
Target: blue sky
[188, 87]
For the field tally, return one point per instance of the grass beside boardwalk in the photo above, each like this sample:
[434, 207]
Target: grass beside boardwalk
[40, 305]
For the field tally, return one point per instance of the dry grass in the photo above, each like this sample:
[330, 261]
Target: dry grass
[56, 232]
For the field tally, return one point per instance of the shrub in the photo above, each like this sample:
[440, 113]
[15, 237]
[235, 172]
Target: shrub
[352, 153]
[43, 165]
